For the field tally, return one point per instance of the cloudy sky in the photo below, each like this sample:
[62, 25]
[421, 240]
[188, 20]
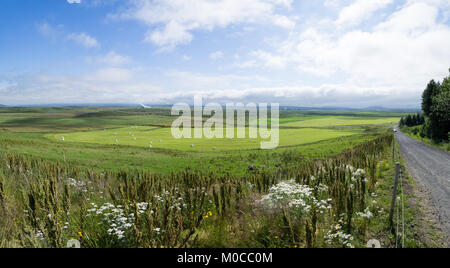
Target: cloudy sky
[353, 53]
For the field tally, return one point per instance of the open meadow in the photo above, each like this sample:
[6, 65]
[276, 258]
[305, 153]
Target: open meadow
[114, 138]
[161, 138]
[224, 124]
[66, 171]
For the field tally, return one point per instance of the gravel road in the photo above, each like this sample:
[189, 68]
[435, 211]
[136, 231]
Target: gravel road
[431, 167]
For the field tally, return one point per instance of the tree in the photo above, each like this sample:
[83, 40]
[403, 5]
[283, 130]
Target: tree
[440, 112]
[414, 120]
[426, 129]
[427, 96]
[408, 120]
[421, 119]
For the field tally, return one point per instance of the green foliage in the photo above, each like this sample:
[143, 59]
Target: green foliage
[440, 112]
[110, 196]
[436, 106]
[47, 204]
[427, 96]
[412, 120]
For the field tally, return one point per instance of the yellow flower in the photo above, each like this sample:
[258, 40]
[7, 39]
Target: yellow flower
[80, 234]
[276, 237]
[295, 246]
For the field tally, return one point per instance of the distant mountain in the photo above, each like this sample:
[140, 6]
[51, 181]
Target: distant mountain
[295, 108]
[381, 108]
[337, 108]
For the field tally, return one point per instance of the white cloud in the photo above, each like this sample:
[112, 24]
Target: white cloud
[104, 86]
[247, 64]
[114, 59]
[255, 88]
[50, 31]
[175, 20]
[189, 81]
[46, 29]
[111, 75]
[216, 55]
[360, 10]
[173, 34]
[269, 60]
[326, 61]
[417, 17]
[334, 4]
[302, 95]
[74, 1]
[404, 51]
[186, 57]
[84, 40]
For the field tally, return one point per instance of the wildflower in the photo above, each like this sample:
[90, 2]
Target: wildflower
[367, 214]
[337, 236]
[39, 235]
[299, 198]
[114, 218]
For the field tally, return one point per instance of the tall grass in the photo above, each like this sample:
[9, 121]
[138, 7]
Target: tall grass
[46, 204]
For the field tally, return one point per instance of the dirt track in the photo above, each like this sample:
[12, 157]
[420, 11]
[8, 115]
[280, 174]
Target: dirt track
[431, 168]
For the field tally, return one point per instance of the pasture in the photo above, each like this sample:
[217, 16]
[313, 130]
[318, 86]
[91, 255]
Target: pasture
[331, 121]
[161, 138]
[115, 177]
[90, 140]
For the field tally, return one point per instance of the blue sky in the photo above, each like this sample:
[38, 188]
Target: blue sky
[355, 53]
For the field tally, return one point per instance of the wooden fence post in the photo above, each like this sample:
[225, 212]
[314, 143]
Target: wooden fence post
[393, 148]
[394, 196]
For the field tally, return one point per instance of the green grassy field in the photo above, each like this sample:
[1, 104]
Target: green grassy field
[89, 139]
[161, 138]
[196, 196]
[330, 121]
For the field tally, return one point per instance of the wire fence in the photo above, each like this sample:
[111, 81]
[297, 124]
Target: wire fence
[398, 202]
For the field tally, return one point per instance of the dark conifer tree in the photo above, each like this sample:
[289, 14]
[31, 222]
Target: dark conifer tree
[427, 96]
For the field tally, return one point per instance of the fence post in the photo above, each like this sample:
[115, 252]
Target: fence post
[393, 148]
[394, 196]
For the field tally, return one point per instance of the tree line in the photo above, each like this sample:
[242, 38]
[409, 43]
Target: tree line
[412, 120]
[434, 122]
